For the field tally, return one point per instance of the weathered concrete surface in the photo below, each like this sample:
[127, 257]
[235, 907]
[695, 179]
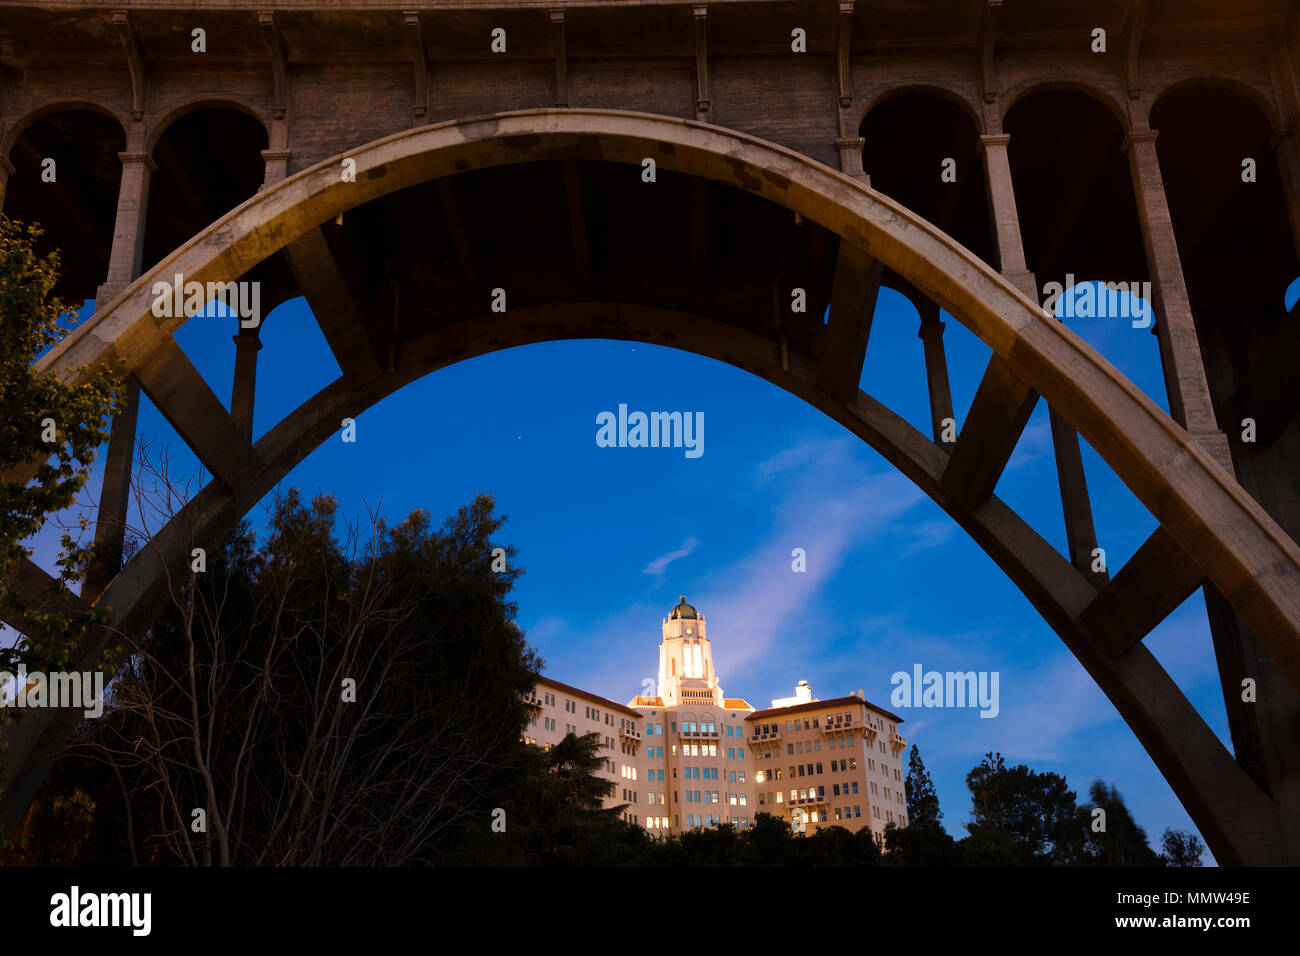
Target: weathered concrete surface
[322, 81]
[1212, 520]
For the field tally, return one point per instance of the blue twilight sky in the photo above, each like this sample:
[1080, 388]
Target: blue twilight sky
[610, 537]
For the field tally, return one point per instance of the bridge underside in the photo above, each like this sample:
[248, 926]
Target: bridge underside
[548, 215]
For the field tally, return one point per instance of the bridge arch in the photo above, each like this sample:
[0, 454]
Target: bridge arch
[1107, 98]
[1258, 98]
[160, 123]
[957, 97]
[91, 103]
[1199, 506]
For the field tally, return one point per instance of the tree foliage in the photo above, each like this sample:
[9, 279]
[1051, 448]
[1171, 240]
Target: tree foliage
[322, 704]
[922, 800]
[1180, 848]
[1020, 816]
[1122, 842]
[32, 406]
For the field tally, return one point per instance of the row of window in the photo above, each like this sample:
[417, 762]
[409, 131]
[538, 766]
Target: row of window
[805, 793]
[837, 813]
[693, 773]
[812, 745]
[696, 750]
[703, 726]
[703, 820]
[697, 820]
[693, 796]
[806, 723]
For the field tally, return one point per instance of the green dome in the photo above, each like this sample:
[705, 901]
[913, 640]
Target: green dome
[683, 611]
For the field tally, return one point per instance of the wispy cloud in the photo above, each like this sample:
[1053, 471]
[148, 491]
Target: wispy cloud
[659, 564]
[832, 500]
[927, 536]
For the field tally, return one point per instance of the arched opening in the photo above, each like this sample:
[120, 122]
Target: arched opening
[207, 163]
[1074, 191]
[66, 176]
[1255, 561]
[923, 150]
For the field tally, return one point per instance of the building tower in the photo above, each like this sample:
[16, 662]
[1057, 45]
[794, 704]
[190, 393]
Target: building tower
[686, 674]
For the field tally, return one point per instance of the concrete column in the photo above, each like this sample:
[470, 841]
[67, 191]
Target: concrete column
[1002, 213]
[1180, 350]
[1076, 506]
[277, 155]
[128, 231]
[936, 368]
[6, 170]
[114, 497]
[1288, 166]
[247, 345]
[124, 264]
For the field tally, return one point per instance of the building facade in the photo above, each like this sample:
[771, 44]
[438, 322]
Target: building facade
[694, 757]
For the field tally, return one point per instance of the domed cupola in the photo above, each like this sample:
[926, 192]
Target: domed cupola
[683, 611]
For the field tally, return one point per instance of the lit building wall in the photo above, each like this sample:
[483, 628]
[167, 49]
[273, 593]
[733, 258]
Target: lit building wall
[693, 757]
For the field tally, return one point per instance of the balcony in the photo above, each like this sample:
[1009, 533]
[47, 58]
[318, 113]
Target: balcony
[534, 703]
[699, 733]
[629, 733]
[805, 801]
[897, 742]
[759, 738]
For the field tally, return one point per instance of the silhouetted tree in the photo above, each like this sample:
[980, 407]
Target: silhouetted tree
[922, 800]
[1181, 848]
[321, 704]
[1122, 842]
[1031, 815]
